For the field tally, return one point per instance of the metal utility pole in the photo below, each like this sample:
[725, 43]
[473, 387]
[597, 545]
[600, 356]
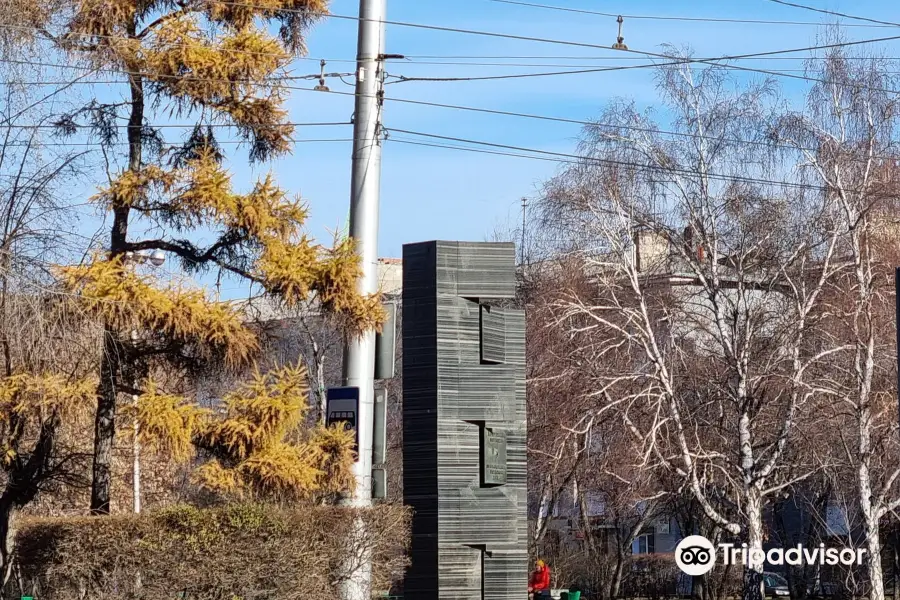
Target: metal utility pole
[524, 227]
[365, 183]
[155, 260]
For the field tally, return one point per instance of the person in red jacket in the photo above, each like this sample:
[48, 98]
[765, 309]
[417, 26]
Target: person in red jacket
[539, 584]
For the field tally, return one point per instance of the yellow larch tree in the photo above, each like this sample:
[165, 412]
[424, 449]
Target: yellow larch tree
[255, 445]
[216, 62]
[258, 448]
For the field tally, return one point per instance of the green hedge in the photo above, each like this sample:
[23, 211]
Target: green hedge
[236, 552]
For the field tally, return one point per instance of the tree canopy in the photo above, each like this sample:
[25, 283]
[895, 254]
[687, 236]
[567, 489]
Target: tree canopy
[221, 65]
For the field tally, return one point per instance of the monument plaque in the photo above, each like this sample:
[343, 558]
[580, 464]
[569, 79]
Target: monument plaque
[493, 457]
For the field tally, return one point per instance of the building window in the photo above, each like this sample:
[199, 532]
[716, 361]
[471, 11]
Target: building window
[836, 521]
[595, 504]
[663, 527]
[643, 544]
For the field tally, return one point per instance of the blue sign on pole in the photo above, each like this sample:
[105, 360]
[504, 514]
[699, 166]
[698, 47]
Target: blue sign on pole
[342, 406]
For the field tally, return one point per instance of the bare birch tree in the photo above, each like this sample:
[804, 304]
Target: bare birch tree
[45, 351]
[708, 274]
[847, 141]
[556, 397]
[594, 472]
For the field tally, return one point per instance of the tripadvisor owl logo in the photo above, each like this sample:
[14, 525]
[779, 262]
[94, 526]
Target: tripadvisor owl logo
[695, 555]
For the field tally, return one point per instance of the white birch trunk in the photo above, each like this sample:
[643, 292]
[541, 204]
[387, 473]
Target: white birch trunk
[753, 575]
[871, 525]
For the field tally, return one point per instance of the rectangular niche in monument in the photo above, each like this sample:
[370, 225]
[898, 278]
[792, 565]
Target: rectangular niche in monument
[492, 332]
[493, 456]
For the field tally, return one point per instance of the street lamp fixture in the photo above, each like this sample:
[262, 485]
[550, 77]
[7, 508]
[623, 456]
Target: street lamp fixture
[322, 87]
[620, 40]
[157, 258]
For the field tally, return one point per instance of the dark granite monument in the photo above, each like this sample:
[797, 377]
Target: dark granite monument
[464, 422]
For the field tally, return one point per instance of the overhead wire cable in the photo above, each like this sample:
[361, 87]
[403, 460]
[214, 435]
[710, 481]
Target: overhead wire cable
[873, 22]
[575, 157]
[483, 110]
[673, 61]
[430, 27]
[102, 36]
[568, 65]
[406, 79]
[681, 61]
[413, 58]
[177, 125]
[789, 73]
[147, 73]
[602, 125]
[580, 122]
[834, 13]
[783, 73]
[165, 143]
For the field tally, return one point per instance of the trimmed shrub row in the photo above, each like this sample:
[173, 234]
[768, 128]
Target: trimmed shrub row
[231, 552]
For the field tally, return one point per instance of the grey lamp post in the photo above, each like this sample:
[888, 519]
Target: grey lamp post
[155, 259]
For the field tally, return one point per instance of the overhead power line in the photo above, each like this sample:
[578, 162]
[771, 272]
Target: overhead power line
[613, 59]
[601, 125]
[674, 61]
[789, 73]
[405, 79]
[166, 143]
[276, 83]
[47, 65]
[570, 159]
[696, 19]
[681, 61]
[724, 66]
[838, 14]
[541, 40]
[526, 38]
[174, 125]
[411, 142]
[511, 36]
[710, 61]
[576, 159]
[540, 117]
[507, 113]
[489, 111]
[474, 109]
[414, 58]
[716, 62]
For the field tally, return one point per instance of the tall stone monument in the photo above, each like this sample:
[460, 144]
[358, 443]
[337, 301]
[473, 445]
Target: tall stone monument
[464, 422]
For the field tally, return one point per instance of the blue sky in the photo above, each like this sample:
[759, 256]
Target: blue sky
[430, 193]
[436, 193]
